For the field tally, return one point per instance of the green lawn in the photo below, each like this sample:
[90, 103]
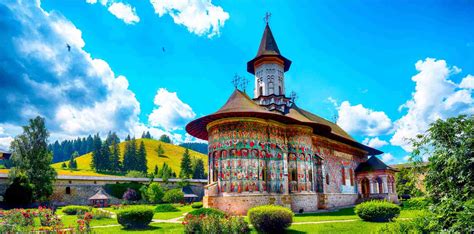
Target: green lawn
[355, 225]
[344, 214]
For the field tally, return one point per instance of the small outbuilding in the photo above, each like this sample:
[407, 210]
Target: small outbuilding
[100, 199]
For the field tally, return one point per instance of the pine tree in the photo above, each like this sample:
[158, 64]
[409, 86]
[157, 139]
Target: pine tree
[72, 160]
[156, 170]
[160, 150]
[127, 157]
[141, 158]
[198, 169]
[133, 154]
[105, 157]
[96, 162]
[165, 138]
[115, 157]
[186, 167]
[148, 135]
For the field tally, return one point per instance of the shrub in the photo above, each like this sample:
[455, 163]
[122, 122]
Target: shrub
[196, 205]
[155, 193]
[135, 217]
[165, 208]
[173, 196]
[377, 211]
[19, 193]
[48, 218]
[131, 195]
[16, 221]
[214, 224]
[270, 218]
[117, 190]
[84, 223]
[74, 210]
[418, 203]
[207, 212]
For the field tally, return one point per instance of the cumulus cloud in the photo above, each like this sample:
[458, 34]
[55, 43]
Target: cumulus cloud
[388, 158]
[374, 142]
[435, 97]
[171, 113]
[467, 82]
[200, 17]
[360, 120]
[77, 94]
[124, 12]
[121, 10]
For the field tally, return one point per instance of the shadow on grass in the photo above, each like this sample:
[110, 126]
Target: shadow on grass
[163, 156]
[341, 212]
[293, 231]
[149, 228]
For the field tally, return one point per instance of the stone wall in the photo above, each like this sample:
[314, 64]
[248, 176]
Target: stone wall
[334, 200]
[240, 204]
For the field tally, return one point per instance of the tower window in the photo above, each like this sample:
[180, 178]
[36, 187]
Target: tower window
[343, 172]
[327, 179]
[260, 91]
[280, 92]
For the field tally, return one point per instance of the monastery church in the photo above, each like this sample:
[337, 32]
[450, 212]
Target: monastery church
[268, 150]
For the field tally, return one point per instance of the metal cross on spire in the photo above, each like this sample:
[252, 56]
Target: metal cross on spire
[267, 17]
[243, 83]
[236, 81]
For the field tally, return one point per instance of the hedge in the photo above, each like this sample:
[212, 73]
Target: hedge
[196, 205]
[135, 217]
[377, 211]
[270, 218]
[207, 212]
[74, 210]
[165, 208]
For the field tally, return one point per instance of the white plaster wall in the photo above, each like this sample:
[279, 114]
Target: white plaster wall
[266, 73]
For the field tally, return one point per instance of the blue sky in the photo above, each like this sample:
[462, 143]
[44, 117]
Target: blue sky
[386, 69]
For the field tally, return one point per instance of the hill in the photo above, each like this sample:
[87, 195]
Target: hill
[172, 157]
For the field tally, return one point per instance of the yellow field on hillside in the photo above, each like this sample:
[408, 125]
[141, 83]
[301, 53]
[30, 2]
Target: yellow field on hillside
[172, 157]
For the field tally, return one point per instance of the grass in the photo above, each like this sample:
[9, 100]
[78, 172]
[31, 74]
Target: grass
[153, 228]
[353, 227]
[345, 214]
[172, 157]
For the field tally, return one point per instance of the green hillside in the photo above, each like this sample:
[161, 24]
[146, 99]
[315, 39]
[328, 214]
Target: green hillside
[172, 157]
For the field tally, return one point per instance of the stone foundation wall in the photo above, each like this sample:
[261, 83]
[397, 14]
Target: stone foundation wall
[306, 202]
[334, 200]
[240, 204]
[79, 195]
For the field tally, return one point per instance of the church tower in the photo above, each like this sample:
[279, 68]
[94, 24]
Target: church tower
[269, 68]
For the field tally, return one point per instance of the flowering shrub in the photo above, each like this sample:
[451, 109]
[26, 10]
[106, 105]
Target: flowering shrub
[214, 224]
[48, 218]
[17, 220]
[131, 195]
[84, 223]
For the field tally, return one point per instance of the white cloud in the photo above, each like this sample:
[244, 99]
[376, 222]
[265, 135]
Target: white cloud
[200, 17]
[171, 113]
[360, 120]
[435, 97]
[124, 12]
[374, 142]
[406, 158]
[467, 82]
[387, 158]
[5, 143]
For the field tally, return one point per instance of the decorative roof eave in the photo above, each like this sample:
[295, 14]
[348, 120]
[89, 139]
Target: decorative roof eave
[251, 63]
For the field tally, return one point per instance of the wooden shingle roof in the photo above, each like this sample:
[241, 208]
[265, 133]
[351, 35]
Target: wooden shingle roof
[240, 105]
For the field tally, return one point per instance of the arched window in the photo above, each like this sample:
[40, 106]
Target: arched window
[260, 91]
[380, 185]
[280, 92]
[68, 190]
[327, 179]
